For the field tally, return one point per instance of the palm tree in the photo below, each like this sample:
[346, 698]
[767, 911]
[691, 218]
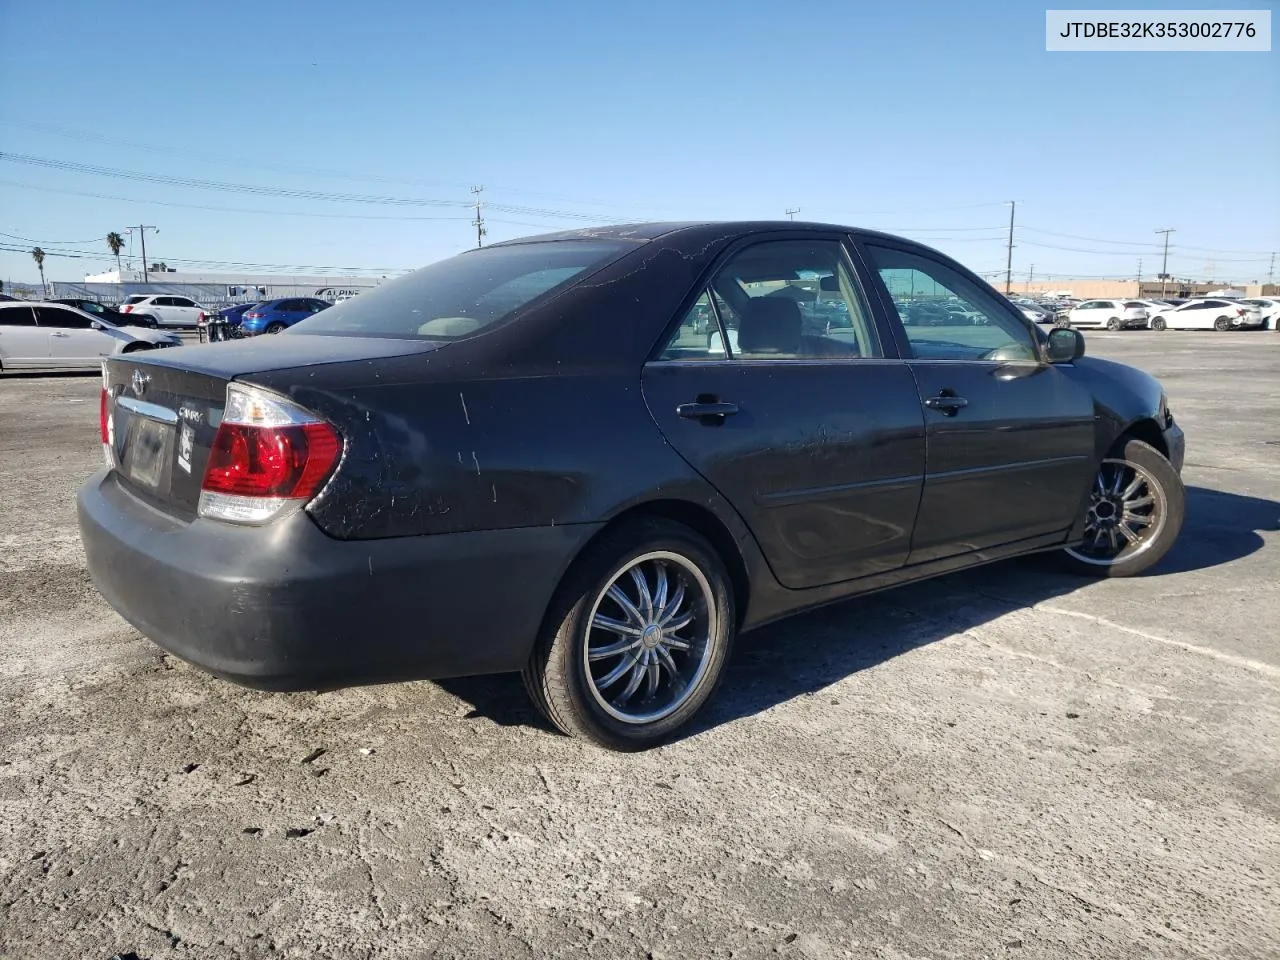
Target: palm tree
[116, 243]
[38, 256]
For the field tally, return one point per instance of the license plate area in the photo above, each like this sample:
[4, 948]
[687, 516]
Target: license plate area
[148, 452]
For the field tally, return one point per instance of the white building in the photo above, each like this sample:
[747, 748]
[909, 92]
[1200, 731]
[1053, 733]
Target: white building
[214, 289]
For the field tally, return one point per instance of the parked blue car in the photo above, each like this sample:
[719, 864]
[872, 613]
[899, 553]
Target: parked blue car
[272, 316]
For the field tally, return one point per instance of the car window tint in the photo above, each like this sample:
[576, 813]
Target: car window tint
[136, 298]
[62, 319]
[17, 317]
[947, 316]
[791, 300]
[463, 295]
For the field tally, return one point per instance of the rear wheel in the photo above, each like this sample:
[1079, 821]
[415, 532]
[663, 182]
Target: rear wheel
[1113, 323]
[1222, 324]
[637, 636]
[1158, 323]
[275, 327]
[1135, 512]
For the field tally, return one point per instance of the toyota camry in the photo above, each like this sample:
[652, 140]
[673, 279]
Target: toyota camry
[595, 457]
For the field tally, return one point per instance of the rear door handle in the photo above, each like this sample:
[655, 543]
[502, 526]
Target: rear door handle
[948, 405]
[706, 411]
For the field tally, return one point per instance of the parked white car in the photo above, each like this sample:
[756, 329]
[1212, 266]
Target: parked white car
[1112, 314]
[1209, 314]
[167, 311]
[1270, 307]
[36, 336]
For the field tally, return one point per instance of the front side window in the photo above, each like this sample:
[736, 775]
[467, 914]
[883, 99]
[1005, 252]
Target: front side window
[61, 319]
[461, 296]
[779, 300]
[946, 315]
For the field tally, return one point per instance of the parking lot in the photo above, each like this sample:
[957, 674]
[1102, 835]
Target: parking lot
[1006, 762]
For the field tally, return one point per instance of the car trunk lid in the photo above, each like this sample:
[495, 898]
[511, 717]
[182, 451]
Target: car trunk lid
[164, 407]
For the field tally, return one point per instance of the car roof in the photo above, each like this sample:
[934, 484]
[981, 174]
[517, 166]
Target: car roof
[642, 232]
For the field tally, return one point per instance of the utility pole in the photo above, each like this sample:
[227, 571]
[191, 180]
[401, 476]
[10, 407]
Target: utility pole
[792, 211]
[478, 222]
[1008, 266]
[1271, 270]
[1031, 275]
[1139, 276]
[142, 234]
[1164, 263]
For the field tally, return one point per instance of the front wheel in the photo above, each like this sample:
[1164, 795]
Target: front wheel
[1113, 323]
[637, 636]
[1158, 324]
[1134, 514]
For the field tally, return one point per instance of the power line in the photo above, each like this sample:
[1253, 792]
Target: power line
[291, 267]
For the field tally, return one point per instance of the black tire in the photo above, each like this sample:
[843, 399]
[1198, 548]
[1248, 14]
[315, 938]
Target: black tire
[135, 347]
[1222, 324]
[1165, 489]
[558, 677]
[1159, 324]
[276, 327]
[1113, 323]
[1064, 324]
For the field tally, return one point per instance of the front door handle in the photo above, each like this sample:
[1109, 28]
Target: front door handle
[947, 403]
[706, 410]
[59, 333]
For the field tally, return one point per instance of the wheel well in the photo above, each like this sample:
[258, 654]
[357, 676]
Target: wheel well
[135, 347]
[709, 526]
[1145, 430]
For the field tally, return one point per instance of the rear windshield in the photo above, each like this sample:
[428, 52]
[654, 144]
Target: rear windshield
[1134, 304]
[459, 297]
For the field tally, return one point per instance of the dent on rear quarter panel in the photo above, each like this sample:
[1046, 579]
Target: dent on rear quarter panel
[488, 454]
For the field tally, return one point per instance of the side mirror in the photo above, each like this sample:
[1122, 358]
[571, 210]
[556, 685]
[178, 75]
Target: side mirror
[1065, 345]
[94, 324]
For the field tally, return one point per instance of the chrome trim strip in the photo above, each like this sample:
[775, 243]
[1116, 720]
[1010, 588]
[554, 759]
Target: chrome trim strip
[152, 411]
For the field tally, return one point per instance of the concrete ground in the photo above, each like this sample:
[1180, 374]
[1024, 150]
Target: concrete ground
[1006, 762]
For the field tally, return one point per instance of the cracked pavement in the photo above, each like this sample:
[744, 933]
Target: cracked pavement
[1005, 762]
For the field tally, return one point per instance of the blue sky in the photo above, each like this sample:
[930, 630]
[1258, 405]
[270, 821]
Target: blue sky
[918, 117]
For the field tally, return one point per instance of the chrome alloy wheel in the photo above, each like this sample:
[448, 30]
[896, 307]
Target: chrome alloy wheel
[650, 637]
[1126, 515]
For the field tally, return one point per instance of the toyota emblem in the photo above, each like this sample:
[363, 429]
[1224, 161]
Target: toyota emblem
[139, 380]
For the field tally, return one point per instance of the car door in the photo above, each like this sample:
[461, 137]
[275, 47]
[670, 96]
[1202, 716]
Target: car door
[185, 310]
[1010, 438]
[22, 342]
[73, 342]
[816, 438]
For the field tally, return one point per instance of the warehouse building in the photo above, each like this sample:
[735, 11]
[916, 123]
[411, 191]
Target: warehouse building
[213, 289]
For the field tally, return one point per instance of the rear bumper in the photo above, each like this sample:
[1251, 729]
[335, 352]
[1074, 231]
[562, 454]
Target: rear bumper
[286, 607]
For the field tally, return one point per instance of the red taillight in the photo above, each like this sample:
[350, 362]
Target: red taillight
[127, 308]
[291, 462]
[102, 418]
[251, 315]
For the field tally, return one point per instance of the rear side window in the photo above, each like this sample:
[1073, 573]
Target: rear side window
[463, 295]
[17, 317]
[136, 299]
[1134, 304]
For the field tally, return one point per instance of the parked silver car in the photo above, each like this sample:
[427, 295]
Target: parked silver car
[40, 336]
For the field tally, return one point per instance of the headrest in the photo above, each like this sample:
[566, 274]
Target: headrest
[770, 325]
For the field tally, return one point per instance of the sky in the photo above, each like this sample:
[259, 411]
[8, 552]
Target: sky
[922, 118]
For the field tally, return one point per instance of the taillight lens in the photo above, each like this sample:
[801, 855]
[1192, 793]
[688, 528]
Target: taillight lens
[102, 417]
[127, 308]
[106, 426]
[268, 455]
[253, 316]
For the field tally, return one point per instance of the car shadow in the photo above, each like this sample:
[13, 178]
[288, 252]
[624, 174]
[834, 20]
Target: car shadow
[806, 653]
